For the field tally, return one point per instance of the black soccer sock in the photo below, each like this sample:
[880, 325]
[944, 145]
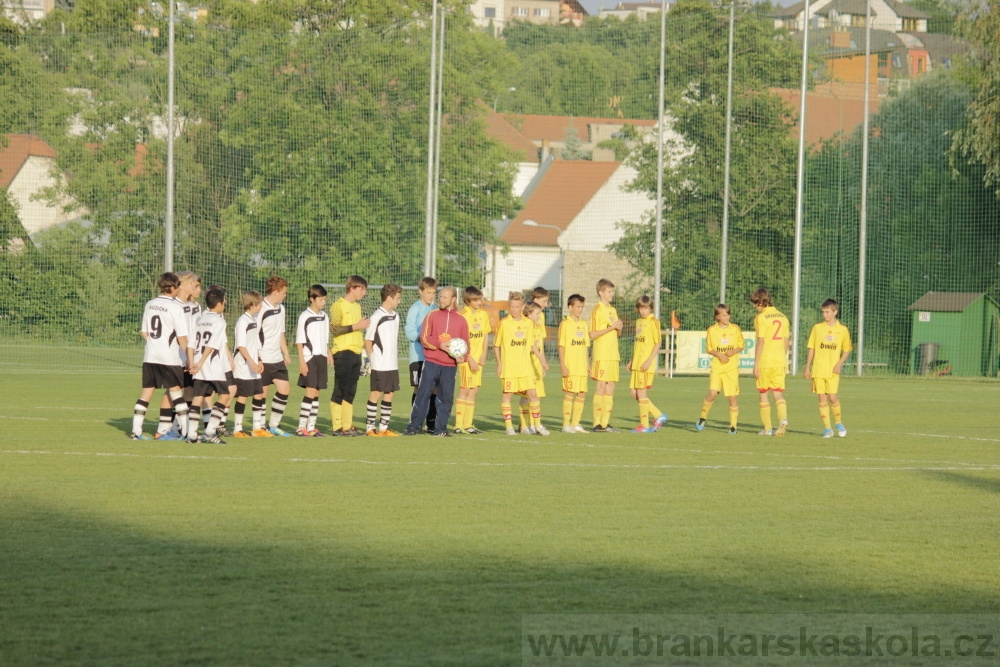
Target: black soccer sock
[241, 408]
[139, 415]
[278, 404]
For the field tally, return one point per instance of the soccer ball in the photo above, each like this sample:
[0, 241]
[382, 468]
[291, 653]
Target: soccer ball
[457, 348]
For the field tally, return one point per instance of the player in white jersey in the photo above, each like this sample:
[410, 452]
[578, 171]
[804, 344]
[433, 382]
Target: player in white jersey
[382, 346]
[274, 350]
[187, 295]
[227, 363]
[247, 368]
[209, 368]
[312, 338]
[164, 328]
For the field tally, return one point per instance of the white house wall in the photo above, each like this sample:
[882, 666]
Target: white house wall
[35, 213]
[524, 267]
[596, 225]
[525, 172]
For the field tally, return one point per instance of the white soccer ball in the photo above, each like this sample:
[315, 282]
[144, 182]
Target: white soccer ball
[457, 348]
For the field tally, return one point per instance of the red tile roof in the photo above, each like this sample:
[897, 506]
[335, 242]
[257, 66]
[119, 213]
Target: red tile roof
[15, 154]
[566, 187]
[553, 128]
[499, 129]
[832, 109]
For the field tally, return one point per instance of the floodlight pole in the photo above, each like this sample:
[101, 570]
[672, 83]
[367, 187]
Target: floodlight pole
[863, 222]
[437, 144]
[431, 143]
[658, 246]
[799, 195]
[729, 153]
[168, 228]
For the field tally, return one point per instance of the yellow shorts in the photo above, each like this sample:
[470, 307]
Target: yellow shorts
[640, 380]
[469, 379]
[574, 384]
[728, 382]
[517, 385]
[828, 385]
[605, 371]
[540, 387]
[771, 378]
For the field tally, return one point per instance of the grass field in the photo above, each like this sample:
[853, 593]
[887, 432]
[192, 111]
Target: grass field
[428, 551]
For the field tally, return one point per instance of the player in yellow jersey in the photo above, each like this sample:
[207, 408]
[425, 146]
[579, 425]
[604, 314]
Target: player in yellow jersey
[770, 360]
[605, 327]
[347, 329]
[513, 345]
[539, 365]
[470, 373]
[643, 365]
[574, 339]
[539, 297]
[829, 347]
[724, 341]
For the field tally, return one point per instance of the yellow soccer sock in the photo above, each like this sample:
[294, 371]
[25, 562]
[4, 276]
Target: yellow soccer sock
[654, 412]
[346, 416]
[505, 411]
[734, 415]
[567, 408]
[705, 407]
[835, 409]
[525, 414]
[579, 403]
[470, 413]
[335, 415]
[609, 402]
[598, 409]
[643, 413]
[765, 415]
[459, 414]
[536, 412]
[782, 409]
[824, 414]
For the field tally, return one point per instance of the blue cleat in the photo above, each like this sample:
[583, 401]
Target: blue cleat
[660, 421]
[274, 430]
[841, 430]
[172, 434]
[828, 433]
[138, 436]
[700, 426]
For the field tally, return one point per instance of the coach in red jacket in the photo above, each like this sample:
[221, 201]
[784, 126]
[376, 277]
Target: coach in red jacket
[439, 327]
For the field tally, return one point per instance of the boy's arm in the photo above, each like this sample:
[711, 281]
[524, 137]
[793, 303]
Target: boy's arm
[250, 361]
[232, 362]
[284, 349]
[496, 355]
[541, 357]
[652, 357]
[369, 346]
[563, 368]
[205, 354]
[145, 336]
[411, 328]
[303, 366]
[809, 360]
[840, 364]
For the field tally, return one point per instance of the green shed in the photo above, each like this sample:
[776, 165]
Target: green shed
[955, 333]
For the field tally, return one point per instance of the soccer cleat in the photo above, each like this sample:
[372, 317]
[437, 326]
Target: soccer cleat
[211, 439]
[241, 434]
[660, 421]
[782, 429]
[388, 433]
[411, 432]
[442, 434]
[262, 433]
[569, 429]
[372, 433]
[510, 431]
[828, 433]
[732, 430]
[527, 430]
[611, 429]
[277, 432]
[303, 433]
[841, 430]
[579, 429]
[138, 436]
[766, 432]
[222, 432]
[700, 426]
[350, 432]
[169, 435]
[599, 429]
[316, 433]
[459, 431]
[192, 441]
[641, 429]
[472, 430]
[541, 430]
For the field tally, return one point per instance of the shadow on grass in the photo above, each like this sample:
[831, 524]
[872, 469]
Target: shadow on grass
[971, 481]
[80, 590]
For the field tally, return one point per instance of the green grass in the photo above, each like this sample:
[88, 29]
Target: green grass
[427, 551]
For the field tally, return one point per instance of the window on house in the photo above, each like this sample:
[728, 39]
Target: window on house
[520, 11]
[883, 60]
[858, 20]
[921, 66]
[490, 12]
[910, 25]
[542, 12]
[897, 62]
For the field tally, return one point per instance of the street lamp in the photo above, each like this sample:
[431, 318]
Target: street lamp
[496, 99]
[562, 255]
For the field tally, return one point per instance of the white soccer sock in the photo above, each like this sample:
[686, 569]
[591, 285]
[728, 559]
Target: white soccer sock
[139, 416]
[313, 414]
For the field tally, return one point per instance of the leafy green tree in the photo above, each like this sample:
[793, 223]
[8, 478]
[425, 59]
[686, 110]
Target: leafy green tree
[980, 138]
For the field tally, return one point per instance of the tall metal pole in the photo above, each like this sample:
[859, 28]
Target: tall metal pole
[437, 146]
[658, 246]
[729, 154]
[168, 231]
[799, 192]
[863, 222]
[431, 143]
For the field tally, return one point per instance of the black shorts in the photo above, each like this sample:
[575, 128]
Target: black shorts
[273, 372]
[209, 387]
[230, 378]
[161, 376]
[416, 369]
[249, 387]
[385, 381]
[318, 373]
[188, 379]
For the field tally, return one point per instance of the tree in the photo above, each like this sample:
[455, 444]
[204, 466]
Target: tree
[980, 138]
